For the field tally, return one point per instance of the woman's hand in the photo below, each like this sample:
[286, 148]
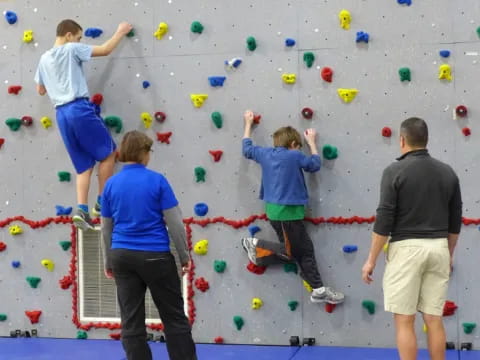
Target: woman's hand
[186, 267]
[108, 273]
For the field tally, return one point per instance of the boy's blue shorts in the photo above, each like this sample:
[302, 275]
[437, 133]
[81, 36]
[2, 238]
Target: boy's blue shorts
[84, 134]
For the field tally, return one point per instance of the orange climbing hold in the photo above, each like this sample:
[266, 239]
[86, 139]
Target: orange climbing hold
[217, 154]
[164, 137]
[33, 315]
[14, 89]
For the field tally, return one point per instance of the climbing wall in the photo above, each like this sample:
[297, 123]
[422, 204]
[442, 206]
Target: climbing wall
[353, 75]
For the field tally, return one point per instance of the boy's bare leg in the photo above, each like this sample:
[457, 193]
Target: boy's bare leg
[105, 171]
[83, 185]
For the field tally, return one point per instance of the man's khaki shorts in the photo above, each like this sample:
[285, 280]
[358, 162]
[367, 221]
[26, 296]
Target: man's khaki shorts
[416, 276]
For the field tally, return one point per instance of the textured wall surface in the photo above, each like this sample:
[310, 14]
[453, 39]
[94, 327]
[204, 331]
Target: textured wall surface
[180, 64]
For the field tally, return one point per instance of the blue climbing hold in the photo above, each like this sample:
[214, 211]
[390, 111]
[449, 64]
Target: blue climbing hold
[253, 229]
[146, 84]
[16, 264]
[362, 36]
[11, 17]
[233, 63]
[405, 2]
[63, 210]
[93, 32]
[201, 209]
[216, 80]
[350, 248]
[444, 53]
[289, 42]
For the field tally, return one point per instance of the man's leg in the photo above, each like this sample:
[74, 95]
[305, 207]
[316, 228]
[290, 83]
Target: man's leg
[406, 339]
[436, 336]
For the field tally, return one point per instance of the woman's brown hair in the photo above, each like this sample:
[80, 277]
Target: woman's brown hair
[285, 136]
[134, 146]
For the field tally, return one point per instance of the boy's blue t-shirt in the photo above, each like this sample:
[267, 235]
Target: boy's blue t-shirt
[60, 71]
[134, 198]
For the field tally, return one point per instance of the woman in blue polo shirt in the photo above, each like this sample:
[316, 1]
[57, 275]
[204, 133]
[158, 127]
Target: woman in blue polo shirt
[137, 206]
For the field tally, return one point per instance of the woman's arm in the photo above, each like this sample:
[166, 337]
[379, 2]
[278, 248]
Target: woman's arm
[106, 243]
[174, 220]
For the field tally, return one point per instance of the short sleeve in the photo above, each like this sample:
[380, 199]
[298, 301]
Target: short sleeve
[38, 76]
[82, 52]
[167, 197]
[106, 208]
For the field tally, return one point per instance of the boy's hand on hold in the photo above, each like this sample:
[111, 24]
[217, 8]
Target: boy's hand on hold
[310, 135]
[248, 117]
[124, 28]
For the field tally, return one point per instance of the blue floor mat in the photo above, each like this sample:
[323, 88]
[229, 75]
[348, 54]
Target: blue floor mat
[469, 355]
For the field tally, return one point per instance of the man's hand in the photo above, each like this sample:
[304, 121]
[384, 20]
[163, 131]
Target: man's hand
[187, 267]
[124, 28]
[310, 135]
[108, 273]
[367, 272]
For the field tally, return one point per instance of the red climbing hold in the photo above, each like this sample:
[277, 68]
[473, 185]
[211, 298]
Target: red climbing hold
[97, 99]
[449, 308]
[256, 118]
[217, 154]
[386, 132]
[160, 116]
[27, 120]
[164, 137]
[329, 307]
[14, 89]
[466, 131]
[327, 74]
[307, 113]
[115, 336]
[461, 111]
[65, 282]
[202, 284]
[259, 270]
[218, 340]
[3, 246]
[2, 141]
[33, 315]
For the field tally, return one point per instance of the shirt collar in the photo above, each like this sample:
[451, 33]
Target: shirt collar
[420, 152]
[133, 166]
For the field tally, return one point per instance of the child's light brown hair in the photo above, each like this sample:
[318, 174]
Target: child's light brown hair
[134, 146]
[68, 26]
[286, 136]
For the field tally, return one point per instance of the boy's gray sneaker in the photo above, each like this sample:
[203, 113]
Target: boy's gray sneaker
[326, 295]
[249, 245]
[97, 210]
[82, 220]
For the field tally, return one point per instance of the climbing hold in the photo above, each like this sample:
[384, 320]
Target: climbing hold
[289, 42]
[405, 2]
[131, 33]
[330, 152]
[201, 209]
[28, 36]
[445, 72]
[478, 31]
[64, 176]
[14, 89]
[468, 327]
[405, 74]
[97, 99]
[3, 246]
[27, 120]
[3, 317]
[201, 247]
[164, 137]
[216, 80]
[233, 63]
[65, 282]
[257, 303]
[216, 154]
[13, 123]
[350, 248]
[218, 340]
[386, 132]
[217, 119]
[33, 315]
[160, 116]
[362, 37]
[292, 304]
[369, 305]
[11, 17]
[46, 122]
[65, 245]
[33, 281]
[444, 53]
[202, 284]
[161, 30]
[198, 99]
[307, 286]
[115, 336]
[256, 118]
[93, 32]
[466, 131]
[81, 334]
[385, 247]
[114, 122]
[238, 321]
[461, 111]
[61, 211]
[289, 78]
[425, 329]
[290, 267]
[327, 74]
[219, 266]
[196, 27]
[200, 173]
[255, 269]
[48, 264]
[251, 43]
[16, 264]
[308, 58]
[449, 308]
[345, 19]
[253, 229]
[145, 84]
[2, 141]
[15, 230]
[347, 95]
[307, 113]
[147, 119]
[330, 307]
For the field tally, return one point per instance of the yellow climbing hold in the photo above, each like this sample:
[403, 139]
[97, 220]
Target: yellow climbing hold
[201, 247]
[345, 19]
[161, 30]
[425, 329]
[289, 78]
[48, 264]
[28, 36]
[15, 230]
[445, 72]
[147, 119]
[347, 95]
[46, 122]
[307, 286]
[257, 303]
[385, 247]
[198, 99]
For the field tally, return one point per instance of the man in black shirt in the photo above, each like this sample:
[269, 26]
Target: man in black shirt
[420, 213]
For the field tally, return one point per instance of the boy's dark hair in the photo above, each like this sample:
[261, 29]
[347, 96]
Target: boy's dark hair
[134, 146]
[68, 26]
[285, 136]
[415, 132]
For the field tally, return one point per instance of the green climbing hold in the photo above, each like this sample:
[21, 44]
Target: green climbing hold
[217, 119]
[238, 321]
[13, 123]
[33, 281]
[219, 266]
[251, 43]
[131, 33]
[114, 122]
[196, 27]
[82, 334]
[200, 173]
[369, 305]
[330, 152]
[65, 244]
[293, 305]
[290, 267]
[468, 327]
[308, 58]
[405, 74]
[3, 317]
[478, 31]
[64, 176]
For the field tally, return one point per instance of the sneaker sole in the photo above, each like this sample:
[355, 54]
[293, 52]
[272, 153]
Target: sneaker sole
[81, 224]
[96, 213]
[317, 301]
